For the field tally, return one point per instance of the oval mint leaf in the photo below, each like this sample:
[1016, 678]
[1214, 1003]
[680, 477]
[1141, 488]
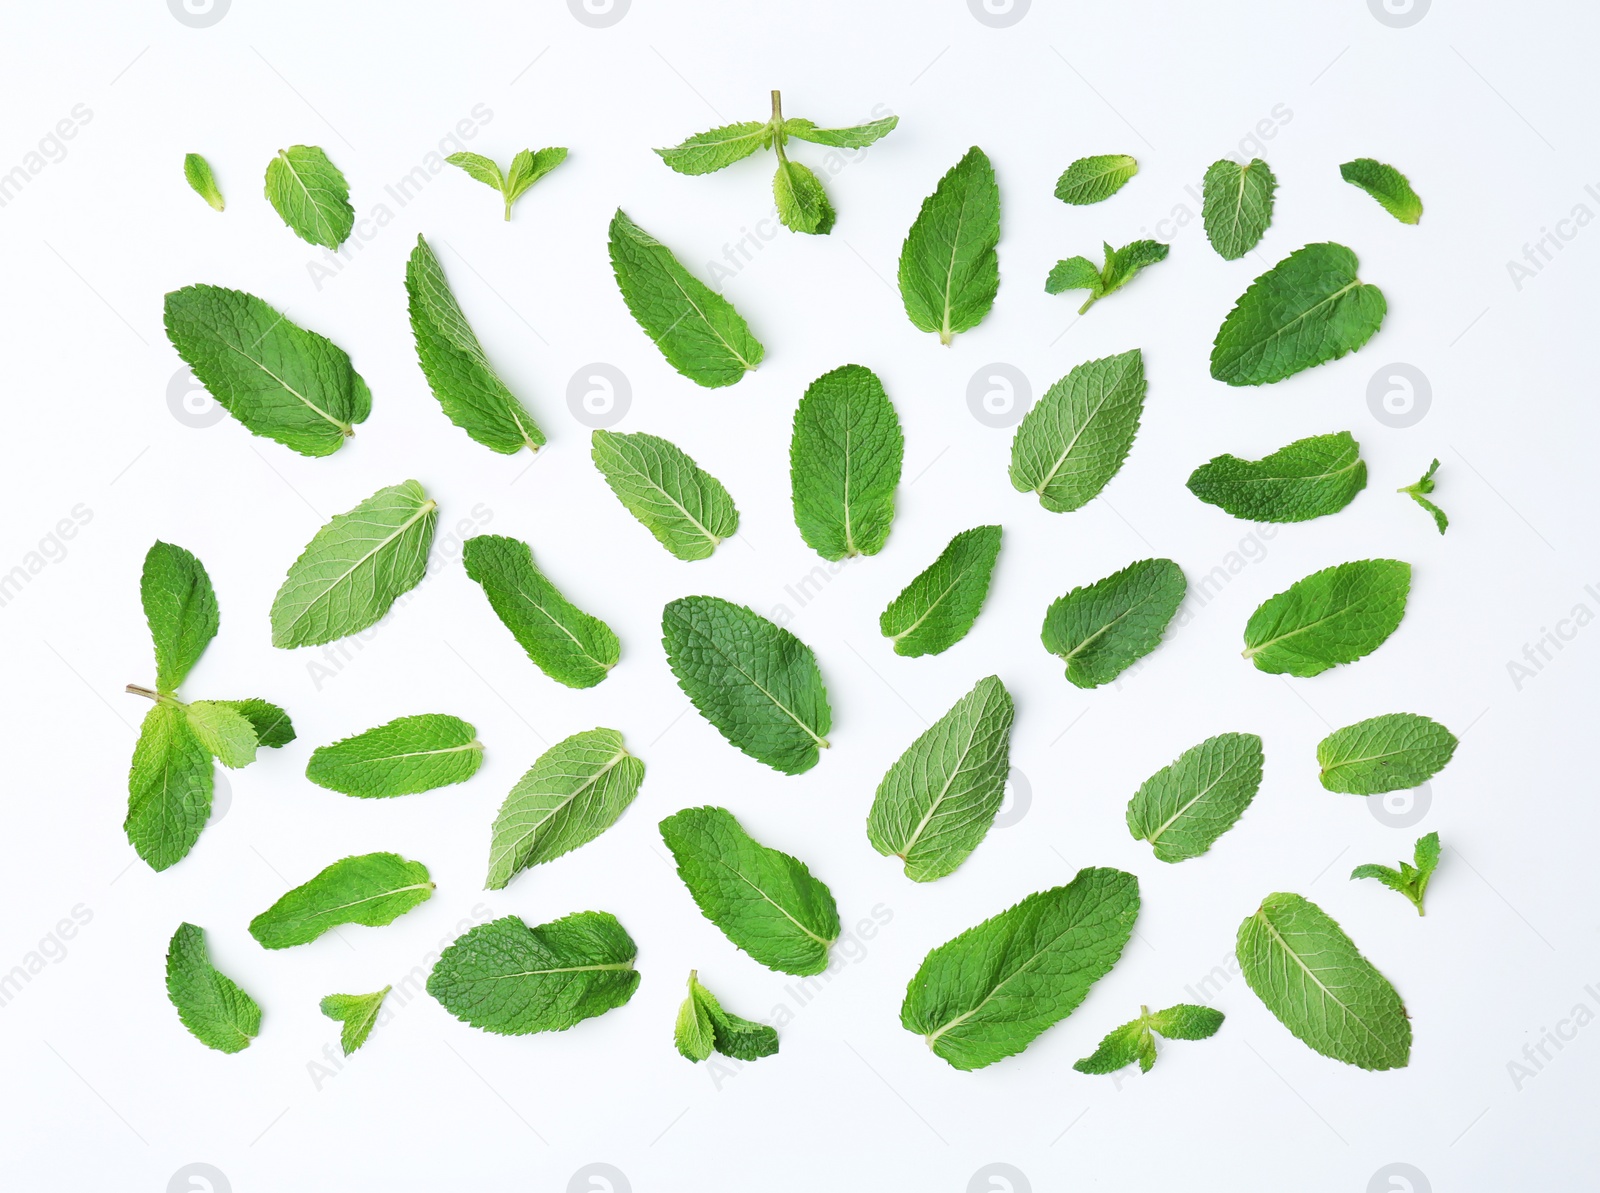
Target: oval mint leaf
[682, 504]
[803, 206]
[403, 757]
[1237, 205]
[1387, 185]
[209, 1003]
[169, 787]
[1182, 809]
[372, 889]
[941, 603]
[1102, 629]
[949, 270]
[1095, 179]
[310, 195]
[181, 608]
[1382, 754]
[1330, 617]
[844, 463]
[1074, 440]
[1309, 478]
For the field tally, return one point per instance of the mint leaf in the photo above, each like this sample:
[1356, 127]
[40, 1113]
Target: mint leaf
[1394, 752]
[1074, 273]
[223, 731]
[1095, 179]
[1309, 478]
[527, 167]
[373, 889]
[403, 757]
[1314, 979]
[1417, 493]
[1237, 205]
[458, 372]
[576, 790]
[485, 169]
[1330, 617]
[358, 1012]
[197, 173]
[682, 504]
[510, 979]
[271, 724]
[310, 195]
[210, 1005]
[942, 602]
[181, 608]
[1182, 809]
[765, 902]
[1079, 273]
[355, 567]
[1410, 880]
[1102, 629]
[994, 989]
[1385, 184]
[692, 1033]
[803, 205]
[707, 152]
[1135, 1040]
[703, 1026]
[1074, 440]
[857, 136]
[754, 681]
[169, 787]
[949, 270]
[281, 381]
[940, 797]
[844, 463]
[1306, 310]
[564, 642]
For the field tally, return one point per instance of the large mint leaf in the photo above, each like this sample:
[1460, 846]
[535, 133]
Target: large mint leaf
[1237, 205]
[403, 757]
[949, 270]
[1102, 629]
[1387, 185]
[1095, 179]
[1309, 478]
[1382, 754]
[372, 889]
[310, 195]
[181, 608]
[682, 504]
[169, 787]
[942, 602]
[356, 1012]
[1333, 616]
[844, 463]
[1183, 808]
[1076, 437]
[210, 1004]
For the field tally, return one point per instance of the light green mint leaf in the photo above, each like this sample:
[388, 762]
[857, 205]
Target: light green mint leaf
[765, 902]
[697, 330]
[527, 167]
[355, 567]
[1135, 1040]
[857, 136]
[280, 380]
[1331, 617]
[703, 1026]
[1418, 492]
[1306, 310]
[458, 372]
[1095, 179]
[310, 195]
[224, 731]
[403, 757]
[510, 979]
[181, 608]
[803, 206]
[564, 642]
[1186, 1021]
[576, 790]
[1237, 205]
[1314, 979]
[169, 787]
[692, 1033]
[844, 463]
[940, 797]
[940, 605]
[1102, 629]
[1309, 478]
[949, 270]
[271, 724]
[1410, 880]
[485, 169]
[1074, 273]
[707, 152]
[1118, 270]
[197, 173]
[1385, 184]
[1394, 752]
[357, 1012]
[1074, 440]
[754, 681]
[682, 504]
[372, 889]
[211, 1006]
[1182, 809]
[994, 989]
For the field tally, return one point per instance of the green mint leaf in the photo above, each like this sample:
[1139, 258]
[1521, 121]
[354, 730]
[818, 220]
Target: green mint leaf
[527, 167]
[1410, 880]
[373, 889]
[510, 979]
[942, 602]
[949, 270]
[803, 206]
[697, 330]
[181, 608]
[1236, 206]
[1314, 979]
[1074, 440]
[1135, 1040]
[169, 788]
[1102, 629]
[844, 463]
[1079, 273]
[742, 1039]
[484, 169]
[197, 173]
[990, 992]
[271, 724]
[355, 567]
[1095, 179]
[1310, 478]
[692, 1033]
[857, 136]
[684, 506]
[211, 1006]
[710, 151]
[574, 791]
[406, 756]
[224, 731]
[754, 681]
[278, 379]
[1306, 310]
[1394, 752]
[766, 902]
[458, 372]
[1385, 184]
[1186, 1021]
[1182, 809]
[567, 644]
[1330, 617]
[1075, 273]
[940, 797]
[310, 195]
[1423, 486]
[703, 1026]
[357, 1012]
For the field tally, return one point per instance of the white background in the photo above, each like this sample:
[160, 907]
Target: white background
[1487, 108]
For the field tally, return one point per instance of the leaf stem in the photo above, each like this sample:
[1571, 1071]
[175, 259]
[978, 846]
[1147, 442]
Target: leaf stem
[777, 125]
[148, 693]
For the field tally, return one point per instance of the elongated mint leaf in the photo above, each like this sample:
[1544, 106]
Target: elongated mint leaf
[372, 889]
[197, 173]
[1102, 629]
[753, 680]
[857, 136]
[564, 642]
[278, 379]
[576, 790]
[803, 206]
[1313, 978]
[940, 797]
[458, 372]
[994, 989]
[1382, 754]
[181, 607]
[844, 463]
[1306, 310]
[357, 1012]
[1237, 205]
[1310, 478]
[1095, 179]
[1385, 184]
[697, 330]
[765, 902]
[310, 195]
[210, 1004]
[485, 169]
[1119, 269]
[1418, 491]
[1333, 616]
[510, 979]
[222, 731]
[940, 605]
[703, 1025]
[271, 724]
[682, 504]
[692, 1033]
[707, 152]
[1182, 809]
[1076, 437]
[1135, 1040]
[169, 787]
[403, 757]
[354, 567]
[1411, 879]
[949, 270]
